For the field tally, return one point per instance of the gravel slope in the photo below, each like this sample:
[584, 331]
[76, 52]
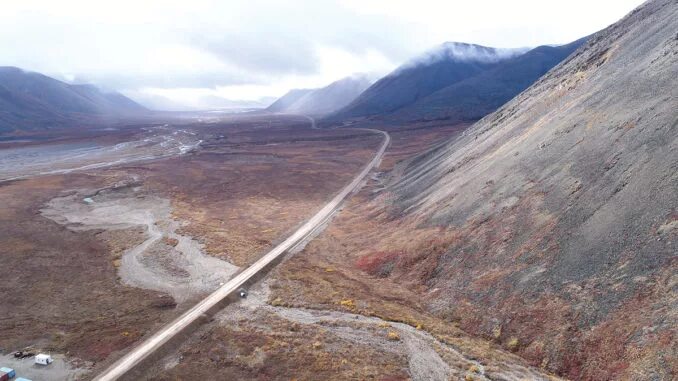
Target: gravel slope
[563, 208]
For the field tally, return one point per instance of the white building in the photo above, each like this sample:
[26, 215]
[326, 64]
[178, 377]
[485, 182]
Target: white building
[43, 359]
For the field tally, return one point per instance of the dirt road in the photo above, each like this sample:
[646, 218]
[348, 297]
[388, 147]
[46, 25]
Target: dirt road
[154, 342]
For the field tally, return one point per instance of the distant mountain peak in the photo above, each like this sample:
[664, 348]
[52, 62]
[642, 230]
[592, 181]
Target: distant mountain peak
[323, 100]
[455, 80]
[10, 69]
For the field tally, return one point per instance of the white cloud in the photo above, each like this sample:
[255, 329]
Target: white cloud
[503, 24]
[244, 49]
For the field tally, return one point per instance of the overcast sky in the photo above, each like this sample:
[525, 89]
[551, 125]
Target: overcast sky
[248, 49]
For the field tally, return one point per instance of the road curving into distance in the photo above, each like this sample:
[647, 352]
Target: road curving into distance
[155, 341]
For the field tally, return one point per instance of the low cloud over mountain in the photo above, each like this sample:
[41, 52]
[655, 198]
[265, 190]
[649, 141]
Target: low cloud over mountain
[457, 81]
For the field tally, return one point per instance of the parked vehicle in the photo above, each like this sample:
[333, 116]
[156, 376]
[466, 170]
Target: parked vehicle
[23, 354]
[10, 372]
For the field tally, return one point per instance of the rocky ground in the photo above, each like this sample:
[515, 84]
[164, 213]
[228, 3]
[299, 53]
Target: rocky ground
[61, 291]
[260, 338]
[538, 243]
[161, 260]
[32, 158]
[549, 226]
[317, 315]
[97, 258]
[61, 369]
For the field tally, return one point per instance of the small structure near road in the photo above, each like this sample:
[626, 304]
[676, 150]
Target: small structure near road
[43, 359]
[242, 293]
[58, 370]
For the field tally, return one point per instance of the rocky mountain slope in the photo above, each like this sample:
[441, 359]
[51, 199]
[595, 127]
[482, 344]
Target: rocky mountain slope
[323, 100]
[551, 225]
[457, 81]
[31, 100]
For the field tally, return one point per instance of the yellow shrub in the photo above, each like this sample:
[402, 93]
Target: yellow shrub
[277, 302]
[496, 331]
[348, 303]
[513, 344]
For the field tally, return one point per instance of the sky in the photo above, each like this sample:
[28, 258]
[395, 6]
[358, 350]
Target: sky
[187, 53]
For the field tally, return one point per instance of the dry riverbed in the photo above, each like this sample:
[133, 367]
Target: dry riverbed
[65, 157]
[257, 335]
[163, 260]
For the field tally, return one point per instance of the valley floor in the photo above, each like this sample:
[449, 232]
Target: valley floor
[96, 258]
[100, 257]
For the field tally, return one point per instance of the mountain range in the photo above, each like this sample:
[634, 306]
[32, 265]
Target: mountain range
[551, 225]
[31, 100]
[323, 100]
[286, 101]
[456, 81]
